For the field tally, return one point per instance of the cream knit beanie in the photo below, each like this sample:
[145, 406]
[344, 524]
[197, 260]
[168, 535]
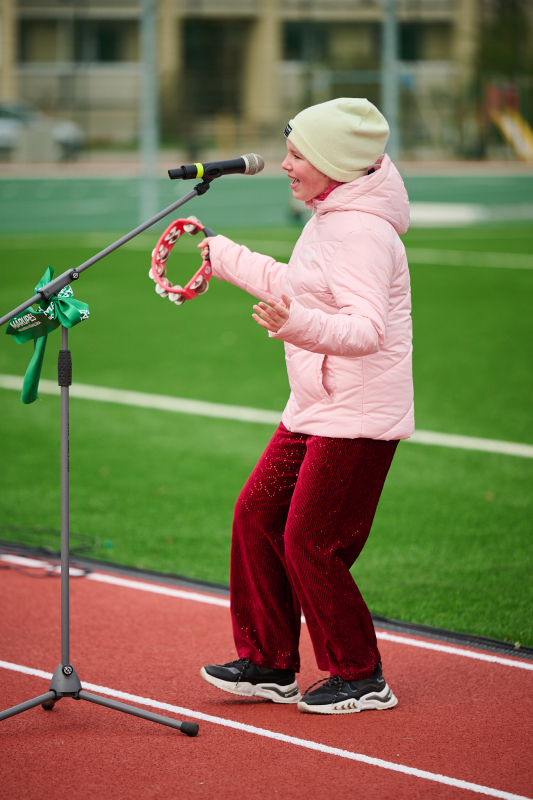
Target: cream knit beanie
[342, 138]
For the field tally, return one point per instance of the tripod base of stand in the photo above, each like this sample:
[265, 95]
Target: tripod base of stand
[66, 683]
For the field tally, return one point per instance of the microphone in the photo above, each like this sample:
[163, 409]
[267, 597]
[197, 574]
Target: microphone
[244, 165]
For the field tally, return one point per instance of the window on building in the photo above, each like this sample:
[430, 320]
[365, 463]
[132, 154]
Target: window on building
[410, 41]
[506, 35]
[106, 41]
[437, 42]
[425, 41]
[348, 46]
[214, 62]
[100, 41]
[305, 41]
[354, 46]
[37, 40]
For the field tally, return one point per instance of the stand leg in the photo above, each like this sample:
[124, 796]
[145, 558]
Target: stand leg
[66, 683]
[189, 728]
[65, 381]
[37, 701]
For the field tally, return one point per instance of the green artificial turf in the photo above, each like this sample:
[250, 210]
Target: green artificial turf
[104, 203]
[451, 543]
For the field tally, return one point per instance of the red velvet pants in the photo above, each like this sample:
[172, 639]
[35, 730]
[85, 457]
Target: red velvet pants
[301, 520]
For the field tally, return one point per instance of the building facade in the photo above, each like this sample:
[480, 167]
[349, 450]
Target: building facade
[232, 72]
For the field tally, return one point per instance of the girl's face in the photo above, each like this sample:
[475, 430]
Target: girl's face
[306, 181]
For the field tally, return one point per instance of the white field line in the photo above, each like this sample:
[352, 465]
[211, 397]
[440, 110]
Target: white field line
[243, 414]
[458, 258]
[280, 737]
[416, 255]
[144, 400]
[472, 443]
[419, 255]
[200, 597]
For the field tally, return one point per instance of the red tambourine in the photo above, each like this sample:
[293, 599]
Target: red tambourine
[199, 283]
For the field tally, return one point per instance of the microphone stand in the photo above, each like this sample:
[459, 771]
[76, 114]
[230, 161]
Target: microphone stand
[65, 681]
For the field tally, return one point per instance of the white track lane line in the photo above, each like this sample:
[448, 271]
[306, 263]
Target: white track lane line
[281, 737]
[198, 597]
[244, 414]
[454, 651]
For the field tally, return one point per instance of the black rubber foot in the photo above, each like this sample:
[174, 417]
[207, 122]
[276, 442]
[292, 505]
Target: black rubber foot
[48, 706]
[189, 728]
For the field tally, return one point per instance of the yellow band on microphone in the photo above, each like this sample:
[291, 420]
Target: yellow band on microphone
[199, 170]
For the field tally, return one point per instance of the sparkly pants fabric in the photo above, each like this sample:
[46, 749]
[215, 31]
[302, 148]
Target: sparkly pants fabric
[301, 520]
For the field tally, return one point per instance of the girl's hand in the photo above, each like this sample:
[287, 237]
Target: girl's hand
[272, 316]
[204, 247]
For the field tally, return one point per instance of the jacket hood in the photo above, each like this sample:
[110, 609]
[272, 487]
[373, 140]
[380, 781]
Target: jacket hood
[382, 193]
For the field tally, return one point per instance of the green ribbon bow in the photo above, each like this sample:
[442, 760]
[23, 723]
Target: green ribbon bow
[61, 309]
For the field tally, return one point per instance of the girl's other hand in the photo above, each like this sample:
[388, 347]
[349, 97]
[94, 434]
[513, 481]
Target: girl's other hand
[272, 315]
[204, 247]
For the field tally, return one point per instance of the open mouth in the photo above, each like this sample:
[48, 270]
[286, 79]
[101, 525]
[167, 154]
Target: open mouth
[294, 183]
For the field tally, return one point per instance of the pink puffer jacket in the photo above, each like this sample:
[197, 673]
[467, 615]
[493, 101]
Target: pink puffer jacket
[348, 339]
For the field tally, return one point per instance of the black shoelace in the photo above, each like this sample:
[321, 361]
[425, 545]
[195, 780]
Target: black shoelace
[244, 664]
[334, 682]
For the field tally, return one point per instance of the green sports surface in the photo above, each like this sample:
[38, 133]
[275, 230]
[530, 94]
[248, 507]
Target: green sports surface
[451, 545]
[112, 204]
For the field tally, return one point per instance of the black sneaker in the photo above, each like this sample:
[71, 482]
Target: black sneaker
[337, 696]
[248, 680]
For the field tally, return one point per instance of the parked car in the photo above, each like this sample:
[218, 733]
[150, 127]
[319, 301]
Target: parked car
[26, 134]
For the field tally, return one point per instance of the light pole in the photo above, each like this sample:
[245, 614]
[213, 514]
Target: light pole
[149, 111]
[389, 76]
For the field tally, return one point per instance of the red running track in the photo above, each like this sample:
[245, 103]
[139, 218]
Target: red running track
[462, 718]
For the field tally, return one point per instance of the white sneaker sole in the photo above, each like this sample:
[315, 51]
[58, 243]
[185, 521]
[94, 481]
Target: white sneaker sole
[377, 701]
[270, 691]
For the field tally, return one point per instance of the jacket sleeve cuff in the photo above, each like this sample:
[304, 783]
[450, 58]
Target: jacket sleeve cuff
[329, 334]
[215, 255]
[293, 327]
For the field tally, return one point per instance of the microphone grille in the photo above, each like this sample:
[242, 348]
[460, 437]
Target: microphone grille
[254, 163]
